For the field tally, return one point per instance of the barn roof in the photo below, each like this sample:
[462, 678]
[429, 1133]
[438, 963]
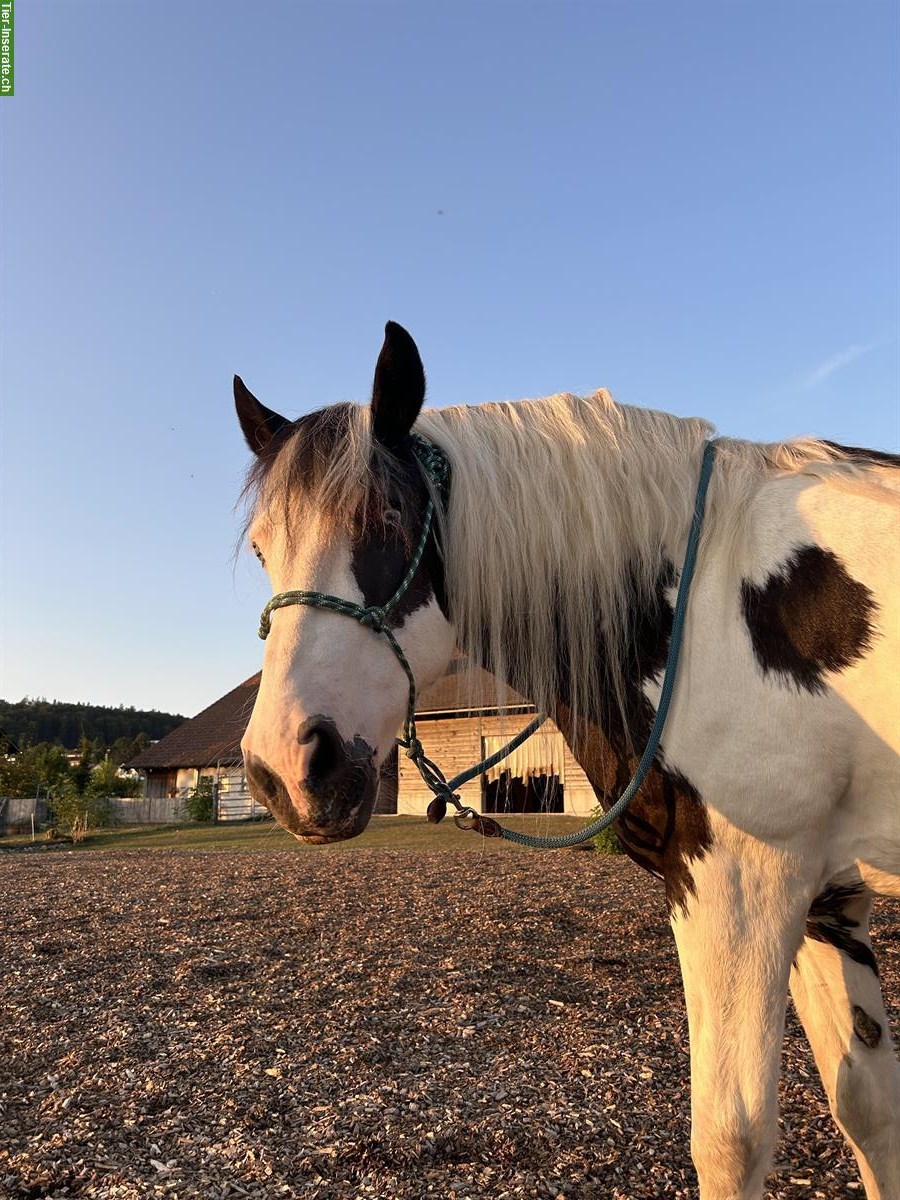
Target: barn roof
[214, 735]
[464, 689]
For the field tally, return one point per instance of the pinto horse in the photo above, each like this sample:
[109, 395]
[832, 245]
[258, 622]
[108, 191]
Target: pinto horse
[771, 811]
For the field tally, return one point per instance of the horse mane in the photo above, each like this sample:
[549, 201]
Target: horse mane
[564, 507]
[565, 513]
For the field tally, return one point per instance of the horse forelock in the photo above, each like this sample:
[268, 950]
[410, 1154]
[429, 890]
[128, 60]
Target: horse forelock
[328, 462]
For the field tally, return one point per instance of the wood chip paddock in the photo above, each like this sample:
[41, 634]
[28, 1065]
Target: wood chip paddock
[361, 1023]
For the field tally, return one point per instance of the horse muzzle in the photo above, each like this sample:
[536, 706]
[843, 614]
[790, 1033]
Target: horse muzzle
[327, 788]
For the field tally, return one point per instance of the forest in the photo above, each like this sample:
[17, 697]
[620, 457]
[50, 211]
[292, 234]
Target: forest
[60, 723]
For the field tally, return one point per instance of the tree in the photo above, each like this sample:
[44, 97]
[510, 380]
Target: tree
[121, 750]
[33, 720]
[32, 768]
[81, 773]
[106, 781]
[141, 742]
[125, 748]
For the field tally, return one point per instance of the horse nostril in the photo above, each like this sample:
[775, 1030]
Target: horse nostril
[268, 787]
[322, 750]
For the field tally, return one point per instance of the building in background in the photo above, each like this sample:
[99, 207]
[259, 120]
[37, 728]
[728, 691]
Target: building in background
[207, 746]
[465, 716]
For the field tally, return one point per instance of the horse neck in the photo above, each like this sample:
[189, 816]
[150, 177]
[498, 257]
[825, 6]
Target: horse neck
[559, 556]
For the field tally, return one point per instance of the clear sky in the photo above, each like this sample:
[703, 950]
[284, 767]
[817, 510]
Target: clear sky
[695, 205]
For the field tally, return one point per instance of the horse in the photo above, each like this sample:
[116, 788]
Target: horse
[770, 812]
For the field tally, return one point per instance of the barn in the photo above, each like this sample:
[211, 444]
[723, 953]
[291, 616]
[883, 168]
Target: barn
[466, 715]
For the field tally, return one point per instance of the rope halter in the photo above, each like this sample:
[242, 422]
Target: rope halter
[435, 468]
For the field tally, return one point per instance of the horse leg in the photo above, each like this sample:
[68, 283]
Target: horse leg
[836, 991]
[736, 934]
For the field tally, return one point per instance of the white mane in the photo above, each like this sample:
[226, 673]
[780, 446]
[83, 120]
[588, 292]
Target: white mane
[564, 510]
[560, 510]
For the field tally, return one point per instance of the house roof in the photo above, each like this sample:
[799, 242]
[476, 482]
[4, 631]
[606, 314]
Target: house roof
[214, 735]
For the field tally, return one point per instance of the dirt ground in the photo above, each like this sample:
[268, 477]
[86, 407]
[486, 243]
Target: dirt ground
[373, 1023]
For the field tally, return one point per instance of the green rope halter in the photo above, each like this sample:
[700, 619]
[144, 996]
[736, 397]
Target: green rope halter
[436, 469]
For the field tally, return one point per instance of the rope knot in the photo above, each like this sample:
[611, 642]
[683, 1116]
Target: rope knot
[414, 749]
[372, 618]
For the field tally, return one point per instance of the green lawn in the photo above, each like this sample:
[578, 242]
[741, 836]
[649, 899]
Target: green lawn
[394, 833]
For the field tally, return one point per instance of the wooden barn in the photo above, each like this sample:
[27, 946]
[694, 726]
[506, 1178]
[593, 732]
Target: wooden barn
[465, 716]
[468, 715]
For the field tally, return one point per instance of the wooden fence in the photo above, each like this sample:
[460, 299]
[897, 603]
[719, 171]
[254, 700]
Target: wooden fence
[16, 813]
[166, 810]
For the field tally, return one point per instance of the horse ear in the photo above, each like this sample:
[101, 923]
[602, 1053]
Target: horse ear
[258, 423]
[398, 392]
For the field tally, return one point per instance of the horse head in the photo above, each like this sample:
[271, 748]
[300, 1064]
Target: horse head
[338, 501]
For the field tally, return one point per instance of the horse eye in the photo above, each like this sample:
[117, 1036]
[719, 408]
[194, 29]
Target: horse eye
[392, 518]
[258, 553]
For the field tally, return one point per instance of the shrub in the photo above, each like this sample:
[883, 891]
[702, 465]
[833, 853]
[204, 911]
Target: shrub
[199, 804]
[605, 842]
[77, 812]
[106, 781]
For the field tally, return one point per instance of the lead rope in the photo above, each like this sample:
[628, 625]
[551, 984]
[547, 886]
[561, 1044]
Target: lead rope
[436, 470]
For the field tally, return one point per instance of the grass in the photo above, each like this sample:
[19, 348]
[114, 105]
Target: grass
[383, 833]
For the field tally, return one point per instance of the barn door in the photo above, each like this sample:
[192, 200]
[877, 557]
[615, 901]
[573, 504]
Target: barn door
[530, 780]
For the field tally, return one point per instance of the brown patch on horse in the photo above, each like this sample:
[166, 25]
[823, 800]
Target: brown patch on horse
[666, 827]
[866, 1028]
[809, 618]
[828, 921]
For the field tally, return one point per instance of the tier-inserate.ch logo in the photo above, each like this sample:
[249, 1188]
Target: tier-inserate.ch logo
[7, 26]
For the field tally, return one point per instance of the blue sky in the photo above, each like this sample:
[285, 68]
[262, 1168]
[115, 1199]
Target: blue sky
[694, 205]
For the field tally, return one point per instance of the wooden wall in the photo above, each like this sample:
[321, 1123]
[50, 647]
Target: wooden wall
[158, 783]
[454, 743]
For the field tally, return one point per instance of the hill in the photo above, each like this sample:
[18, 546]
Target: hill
[65, 724]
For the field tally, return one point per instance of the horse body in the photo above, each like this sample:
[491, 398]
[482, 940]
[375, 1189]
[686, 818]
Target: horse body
[771, 812]
[797, 767]
[779, 745]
